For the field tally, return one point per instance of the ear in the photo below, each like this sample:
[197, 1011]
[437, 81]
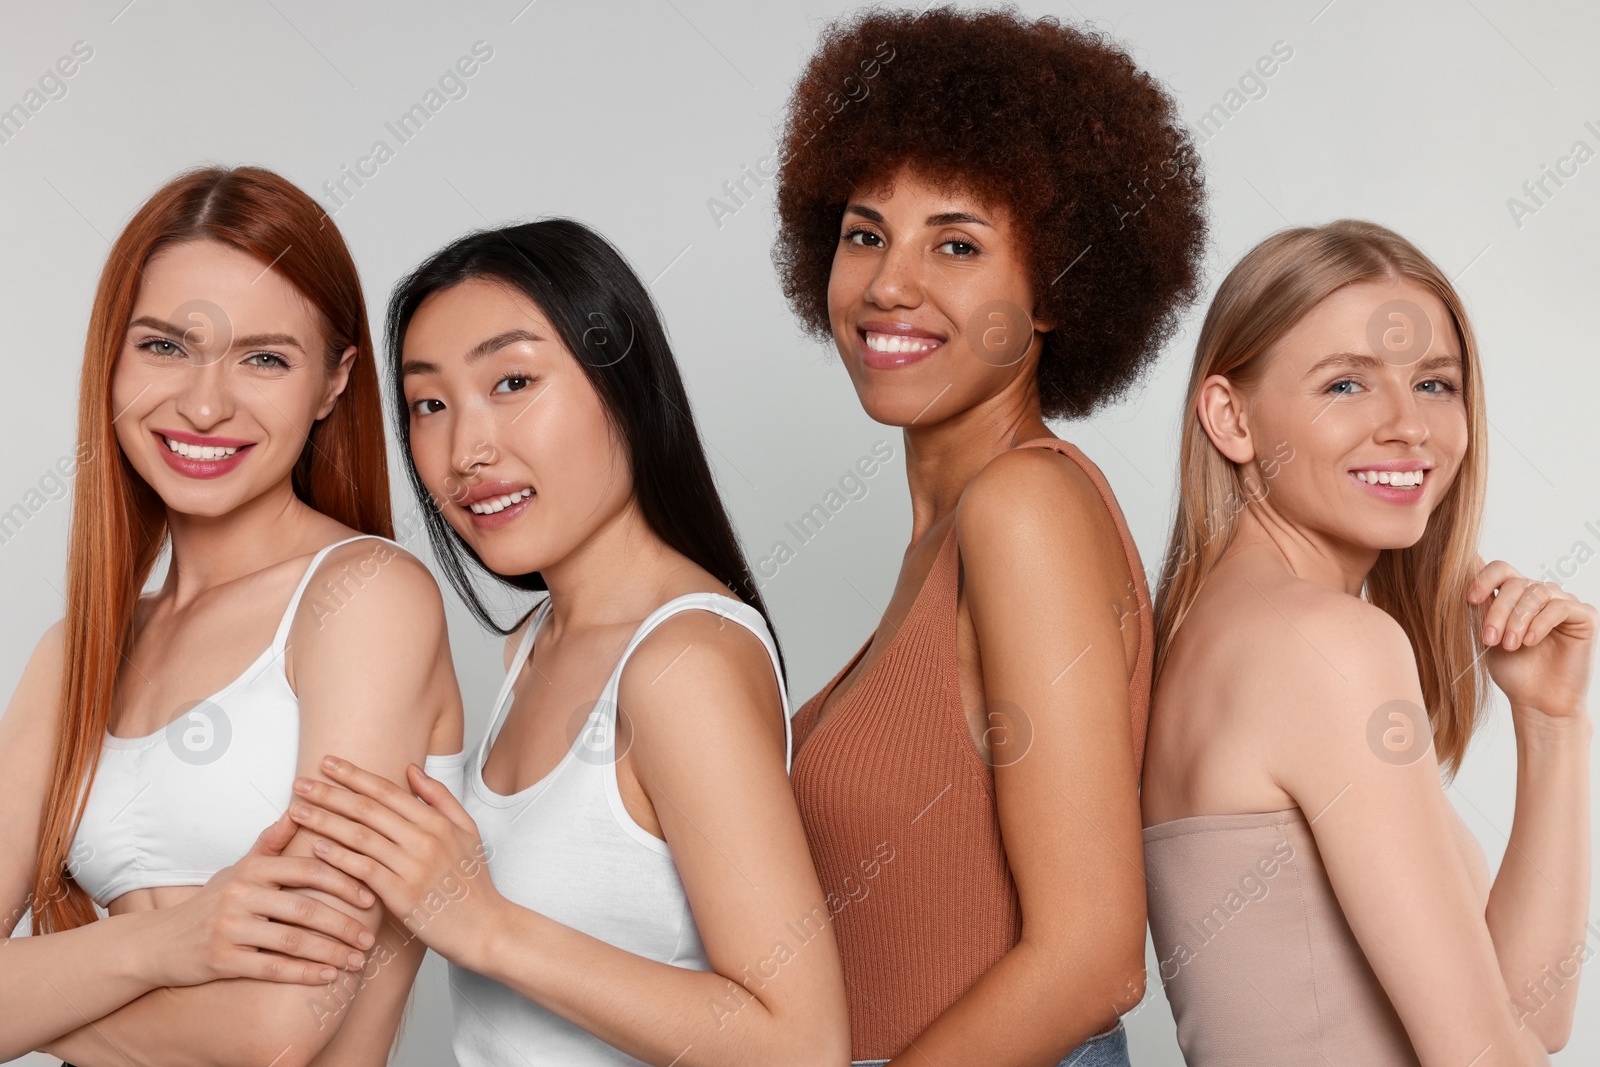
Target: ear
[1221, 410]
[337, 381]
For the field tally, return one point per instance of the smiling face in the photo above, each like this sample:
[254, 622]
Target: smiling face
[221, 377]
[1358, 421]
[930, 302]
[507, 432]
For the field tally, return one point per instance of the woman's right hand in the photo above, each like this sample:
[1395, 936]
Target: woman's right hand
[1539, 640]
[246, 923]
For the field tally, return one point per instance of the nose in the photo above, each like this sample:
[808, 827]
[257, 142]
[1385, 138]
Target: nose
[1403, 419]
[205, 398]
[471, 441]
[897, 281]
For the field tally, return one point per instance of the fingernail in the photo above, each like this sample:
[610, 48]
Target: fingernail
[323, 846]
[329, 974]
[356, 960]
[302, 786]
[1490, 634]
[366, 898]
[331, 763]
[299, 811]
[365, 939]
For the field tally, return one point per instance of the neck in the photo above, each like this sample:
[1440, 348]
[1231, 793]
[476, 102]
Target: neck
[1307, 554]
[209, 551]
[619, 574]
[942, 457]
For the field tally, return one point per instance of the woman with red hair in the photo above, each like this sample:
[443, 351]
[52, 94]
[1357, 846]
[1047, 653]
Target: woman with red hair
[229, 412]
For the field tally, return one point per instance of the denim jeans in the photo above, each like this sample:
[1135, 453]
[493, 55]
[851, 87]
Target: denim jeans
[1106, 1049]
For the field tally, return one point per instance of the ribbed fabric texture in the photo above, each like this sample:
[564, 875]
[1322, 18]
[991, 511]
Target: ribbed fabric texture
[899, 812]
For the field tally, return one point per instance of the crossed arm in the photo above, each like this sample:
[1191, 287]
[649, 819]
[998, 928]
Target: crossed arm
[372, 678]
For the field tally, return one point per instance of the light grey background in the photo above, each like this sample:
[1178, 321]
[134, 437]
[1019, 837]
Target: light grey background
[1427, 116]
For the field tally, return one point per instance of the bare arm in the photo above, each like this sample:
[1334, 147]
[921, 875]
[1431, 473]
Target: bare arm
[708, 748]
[1044, 569]
[1383, 830]
[1541, 653]
[372, 678]
[49, 985]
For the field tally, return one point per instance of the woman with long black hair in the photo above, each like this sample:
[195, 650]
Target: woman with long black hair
[652, 899]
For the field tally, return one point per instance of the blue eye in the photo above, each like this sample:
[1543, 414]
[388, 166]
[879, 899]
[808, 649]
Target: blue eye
[1444, 386]
[1342, 381]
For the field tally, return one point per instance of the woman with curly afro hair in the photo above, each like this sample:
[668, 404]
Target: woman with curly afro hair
[997, 221]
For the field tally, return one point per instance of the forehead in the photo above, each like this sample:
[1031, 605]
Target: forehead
[916, 194]
[463, 313]
[213, 276]
[1386, 318]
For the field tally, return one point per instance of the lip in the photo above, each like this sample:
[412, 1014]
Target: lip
[203, 440]
[489, 491]
[891, 360]
[202, 467]
[1388, 494]
[1396, 465]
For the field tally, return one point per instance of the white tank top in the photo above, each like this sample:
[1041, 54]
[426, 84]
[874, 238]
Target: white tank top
[566, 847]
[176, 806]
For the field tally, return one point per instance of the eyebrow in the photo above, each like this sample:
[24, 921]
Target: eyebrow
[253, 340]
[946, 218]
[481, 350]
[1363, 361]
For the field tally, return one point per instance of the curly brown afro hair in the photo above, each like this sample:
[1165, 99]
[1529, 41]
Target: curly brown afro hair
[1054, 122]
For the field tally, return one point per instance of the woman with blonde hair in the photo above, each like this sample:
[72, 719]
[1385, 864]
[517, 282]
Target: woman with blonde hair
[229, 412]
[1325, 633]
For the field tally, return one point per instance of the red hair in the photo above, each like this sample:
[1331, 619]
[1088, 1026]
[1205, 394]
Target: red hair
[119, 522]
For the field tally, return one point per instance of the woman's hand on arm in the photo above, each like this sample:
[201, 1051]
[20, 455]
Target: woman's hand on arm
[372, 677]
[1383, 828]
[1046, 579]
[708, 748]
[1540, 651]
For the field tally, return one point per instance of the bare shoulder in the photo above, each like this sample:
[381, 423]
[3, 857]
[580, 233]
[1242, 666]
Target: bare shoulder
[1032, 516]
[371, 587]
[37, 697]
[691, 670]
[1311, 666]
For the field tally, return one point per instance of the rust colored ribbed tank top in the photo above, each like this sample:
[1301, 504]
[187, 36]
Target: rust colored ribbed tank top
[899, 811]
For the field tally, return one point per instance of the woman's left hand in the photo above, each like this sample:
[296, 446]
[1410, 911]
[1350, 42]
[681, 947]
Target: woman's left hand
[425, 861]
[1540, 640]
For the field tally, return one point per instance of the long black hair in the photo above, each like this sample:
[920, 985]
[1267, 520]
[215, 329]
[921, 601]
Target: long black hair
[606, 319]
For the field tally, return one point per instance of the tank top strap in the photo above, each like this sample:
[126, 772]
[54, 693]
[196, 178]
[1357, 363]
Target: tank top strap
[281, 637]
[936, 602]
[1140, 684]
[729, 608]
[502, 701]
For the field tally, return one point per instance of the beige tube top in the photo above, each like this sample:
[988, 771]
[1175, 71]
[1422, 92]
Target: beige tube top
[1257, 959]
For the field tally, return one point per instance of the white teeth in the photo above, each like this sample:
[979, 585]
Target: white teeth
[202, 452]
[893, 343]
[1398, 479]
[490, 507]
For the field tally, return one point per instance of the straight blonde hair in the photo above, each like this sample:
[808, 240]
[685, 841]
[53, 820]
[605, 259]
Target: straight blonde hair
[1424, 586]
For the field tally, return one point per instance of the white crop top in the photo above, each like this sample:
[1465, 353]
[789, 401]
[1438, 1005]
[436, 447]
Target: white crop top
[567, 848]
[176, 806]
